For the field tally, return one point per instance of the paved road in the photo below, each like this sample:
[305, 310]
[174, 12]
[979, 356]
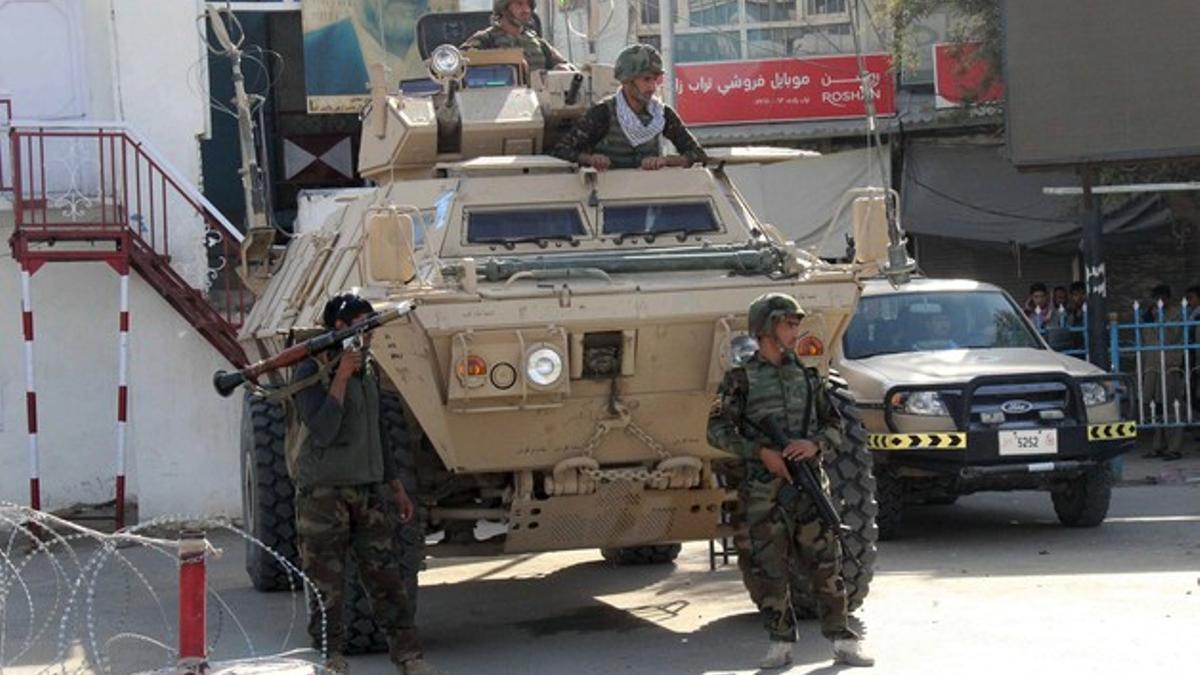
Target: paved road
[991, 584]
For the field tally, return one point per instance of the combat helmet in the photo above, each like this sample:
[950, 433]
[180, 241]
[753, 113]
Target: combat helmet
[634, 61]
[498, 7]
[769, 308]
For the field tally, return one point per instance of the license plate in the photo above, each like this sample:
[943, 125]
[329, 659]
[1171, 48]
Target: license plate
[1029, 442]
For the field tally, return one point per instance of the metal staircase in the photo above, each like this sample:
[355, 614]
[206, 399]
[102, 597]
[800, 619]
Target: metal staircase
[88, 192]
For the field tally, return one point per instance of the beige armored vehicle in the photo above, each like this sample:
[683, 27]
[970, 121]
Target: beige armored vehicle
[565, 330]
[961, 394]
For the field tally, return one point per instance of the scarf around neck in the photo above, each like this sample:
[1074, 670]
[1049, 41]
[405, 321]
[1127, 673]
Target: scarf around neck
[635, 131]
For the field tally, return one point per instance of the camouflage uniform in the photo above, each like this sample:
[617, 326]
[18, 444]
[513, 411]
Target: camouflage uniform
[539, 54]
[344, 504]
[599, 131]
[781, 530]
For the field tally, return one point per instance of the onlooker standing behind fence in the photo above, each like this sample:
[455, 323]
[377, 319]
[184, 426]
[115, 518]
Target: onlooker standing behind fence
[1162, 374]
[1037, 306]
[1059, 298]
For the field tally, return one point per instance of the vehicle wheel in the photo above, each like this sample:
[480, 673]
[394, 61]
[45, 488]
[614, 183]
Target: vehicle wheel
[889, 493]
[853, 487]
[362, 634]
[1083, 501]
[655, 554]
[268, 509]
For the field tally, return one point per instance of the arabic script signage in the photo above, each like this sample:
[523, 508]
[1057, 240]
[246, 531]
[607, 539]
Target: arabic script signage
[778, 90]
[959, 74]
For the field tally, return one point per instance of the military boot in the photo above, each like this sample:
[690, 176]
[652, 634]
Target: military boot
[850, 652]
[417, 666]
[779, 654]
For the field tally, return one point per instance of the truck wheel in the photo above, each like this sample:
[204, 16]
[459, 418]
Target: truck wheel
[889, 492]
[268, 511]
[362, 634]
[655, 554]
[853, 487]
[1083, 501]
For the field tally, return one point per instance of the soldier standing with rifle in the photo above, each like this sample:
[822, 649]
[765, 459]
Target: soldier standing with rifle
[345, 474]
[783, 522]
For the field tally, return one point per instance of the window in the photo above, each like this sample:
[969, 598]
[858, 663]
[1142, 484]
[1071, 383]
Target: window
[906, 322]
[730, 30]
[712, 12]
[490, 76]
[770, 10]
[723, 46]
[826, 6]
[643, 219]
[526, 225]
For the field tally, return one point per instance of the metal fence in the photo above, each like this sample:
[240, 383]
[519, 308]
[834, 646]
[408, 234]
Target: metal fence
[1160, 351]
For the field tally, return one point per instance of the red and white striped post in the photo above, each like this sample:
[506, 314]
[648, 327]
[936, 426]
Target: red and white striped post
[35, 493]
[192, 595]
[122, 392]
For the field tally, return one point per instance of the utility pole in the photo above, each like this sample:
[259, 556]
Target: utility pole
[1094, 274]
[259, 234]
[666, 28]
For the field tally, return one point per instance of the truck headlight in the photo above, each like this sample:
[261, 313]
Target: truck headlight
[919, 403]
[1094, 393]
[543, 367]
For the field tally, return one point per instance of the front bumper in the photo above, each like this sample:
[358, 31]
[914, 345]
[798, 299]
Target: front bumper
[977, 453]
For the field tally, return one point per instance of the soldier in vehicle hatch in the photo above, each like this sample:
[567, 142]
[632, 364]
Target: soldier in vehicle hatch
[624, 131]
[781, 525]
[510, 28]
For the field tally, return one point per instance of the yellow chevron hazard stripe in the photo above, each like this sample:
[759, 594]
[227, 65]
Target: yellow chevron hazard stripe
[943, 441]
[1111, 432]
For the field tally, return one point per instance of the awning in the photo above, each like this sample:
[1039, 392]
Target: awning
[971, 191]
[800, 197]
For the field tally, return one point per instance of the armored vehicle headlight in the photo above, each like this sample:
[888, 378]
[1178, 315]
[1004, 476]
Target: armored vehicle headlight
[543, 367]
[1094, 393]
[920, 403]
[446, 62]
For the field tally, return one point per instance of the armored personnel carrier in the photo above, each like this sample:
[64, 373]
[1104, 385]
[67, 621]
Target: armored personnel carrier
[565, 330]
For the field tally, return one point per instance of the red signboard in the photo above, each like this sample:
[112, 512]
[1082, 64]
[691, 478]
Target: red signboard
[958, 76]
[778, 90]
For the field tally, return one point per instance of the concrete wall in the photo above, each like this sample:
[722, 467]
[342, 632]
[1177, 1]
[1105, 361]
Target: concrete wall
[143, 60]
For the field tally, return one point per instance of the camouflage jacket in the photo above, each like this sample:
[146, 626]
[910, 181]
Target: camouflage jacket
[753, 391]
[539, 54]
[600, 126]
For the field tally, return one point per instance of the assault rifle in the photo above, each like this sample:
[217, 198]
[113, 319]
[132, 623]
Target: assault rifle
[805, 479]
[350, 337]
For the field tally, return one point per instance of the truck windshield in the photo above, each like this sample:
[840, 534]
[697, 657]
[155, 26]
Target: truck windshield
[486, 227]
[643, 219]
[906, 322]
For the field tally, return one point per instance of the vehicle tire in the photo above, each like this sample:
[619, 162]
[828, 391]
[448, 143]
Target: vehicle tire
[853, 486]
[362, 634]
[654, 554]
[889, 493]
[268, 507]
[1083, 501]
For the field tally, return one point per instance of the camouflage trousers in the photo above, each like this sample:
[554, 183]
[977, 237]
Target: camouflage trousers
[781, 541]
[333, 521]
